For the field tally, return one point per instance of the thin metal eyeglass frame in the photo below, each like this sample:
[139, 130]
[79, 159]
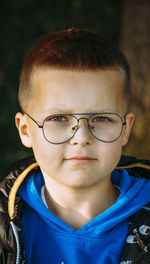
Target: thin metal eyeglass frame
[78, 119]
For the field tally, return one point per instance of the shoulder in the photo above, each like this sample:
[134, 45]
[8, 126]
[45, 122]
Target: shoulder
[8, 180]
[16, 168]
[6, 236]
[135, 167]
[137, 245]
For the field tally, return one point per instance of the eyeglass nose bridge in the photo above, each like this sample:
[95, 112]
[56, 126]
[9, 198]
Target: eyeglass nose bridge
[77, 126]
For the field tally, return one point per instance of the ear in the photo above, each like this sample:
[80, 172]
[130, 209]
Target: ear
[22, 126]
[127, 128]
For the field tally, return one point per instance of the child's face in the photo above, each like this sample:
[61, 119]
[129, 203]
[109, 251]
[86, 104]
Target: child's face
[59, 91]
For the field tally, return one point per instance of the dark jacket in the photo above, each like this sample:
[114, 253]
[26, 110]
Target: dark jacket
[11, 206]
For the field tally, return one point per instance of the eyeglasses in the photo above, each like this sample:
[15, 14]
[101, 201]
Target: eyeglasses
[60, 128]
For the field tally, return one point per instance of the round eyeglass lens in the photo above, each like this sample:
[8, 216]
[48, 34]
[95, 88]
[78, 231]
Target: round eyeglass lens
[106, 127]
[59, 128]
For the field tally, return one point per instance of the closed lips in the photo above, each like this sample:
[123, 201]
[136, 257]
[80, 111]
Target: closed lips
[81, 158]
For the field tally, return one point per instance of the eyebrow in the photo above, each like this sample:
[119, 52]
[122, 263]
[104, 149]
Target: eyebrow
[55, 111]
[48, 112]
[75, 113]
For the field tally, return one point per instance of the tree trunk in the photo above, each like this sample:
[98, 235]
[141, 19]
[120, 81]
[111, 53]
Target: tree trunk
[135, 44]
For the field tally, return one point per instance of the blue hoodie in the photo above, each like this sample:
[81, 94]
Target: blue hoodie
[48, 239]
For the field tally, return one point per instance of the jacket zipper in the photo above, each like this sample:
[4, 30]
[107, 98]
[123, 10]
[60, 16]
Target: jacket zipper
[15, 232]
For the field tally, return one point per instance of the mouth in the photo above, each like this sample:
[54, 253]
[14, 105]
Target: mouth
[81, 159]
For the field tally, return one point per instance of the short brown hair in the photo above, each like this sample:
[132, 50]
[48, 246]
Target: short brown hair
[72, 49]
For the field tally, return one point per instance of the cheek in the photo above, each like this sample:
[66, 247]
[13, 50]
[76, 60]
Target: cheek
[48, 156]
[110, 154]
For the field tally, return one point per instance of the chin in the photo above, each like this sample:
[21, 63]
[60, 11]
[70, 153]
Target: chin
[79, 181]
[78, 186]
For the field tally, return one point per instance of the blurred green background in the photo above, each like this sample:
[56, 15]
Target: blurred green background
[23, 22]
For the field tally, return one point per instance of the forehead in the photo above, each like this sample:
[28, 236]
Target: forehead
[77, 91]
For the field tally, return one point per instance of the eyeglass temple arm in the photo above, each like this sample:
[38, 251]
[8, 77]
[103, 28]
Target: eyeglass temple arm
[40, 126]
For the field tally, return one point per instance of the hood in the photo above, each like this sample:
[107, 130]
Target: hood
[134, 166]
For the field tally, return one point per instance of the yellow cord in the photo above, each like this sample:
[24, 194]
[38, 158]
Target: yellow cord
[140, 165]
[15, 187]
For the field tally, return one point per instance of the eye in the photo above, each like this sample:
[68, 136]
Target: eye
[101, 119]
[57, 118]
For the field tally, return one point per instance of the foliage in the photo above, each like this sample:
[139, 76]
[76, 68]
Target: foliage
[135, 43]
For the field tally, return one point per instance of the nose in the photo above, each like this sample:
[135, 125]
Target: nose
[82, 135]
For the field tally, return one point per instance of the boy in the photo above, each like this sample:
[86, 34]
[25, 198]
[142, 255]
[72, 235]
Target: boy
[70, 204]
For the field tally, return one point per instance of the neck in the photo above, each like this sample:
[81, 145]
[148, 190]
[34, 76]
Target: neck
[77, 206]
